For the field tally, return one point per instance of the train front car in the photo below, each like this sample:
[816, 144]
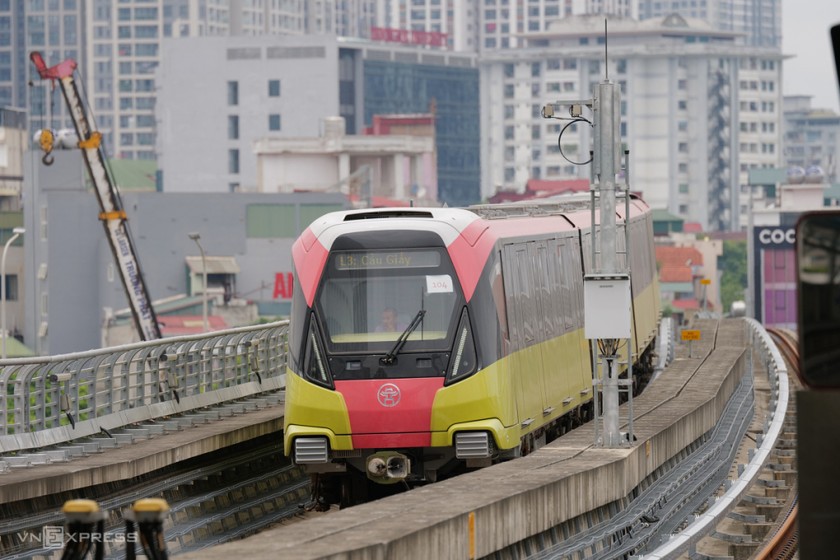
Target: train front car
[380, 328]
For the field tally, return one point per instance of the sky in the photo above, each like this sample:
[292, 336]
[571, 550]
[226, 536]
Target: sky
[805, 33]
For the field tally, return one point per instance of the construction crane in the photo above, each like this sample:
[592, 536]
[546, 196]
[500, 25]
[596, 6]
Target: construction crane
[111, 213]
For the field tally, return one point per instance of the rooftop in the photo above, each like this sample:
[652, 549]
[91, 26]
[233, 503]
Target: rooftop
[678, 256]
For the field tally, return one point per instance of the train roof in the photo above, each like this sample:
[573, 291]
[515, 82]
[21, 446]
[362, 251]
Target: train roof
[469, 233]
[559, 204]
[517, 219]
[449, 223]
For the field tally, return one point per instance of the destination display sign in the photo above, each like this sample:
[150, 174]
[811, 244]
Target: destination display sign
[366, 260]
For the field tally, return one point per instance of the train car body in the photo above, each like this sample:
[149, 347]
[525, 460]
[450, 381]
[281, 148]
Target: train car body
[486, 358]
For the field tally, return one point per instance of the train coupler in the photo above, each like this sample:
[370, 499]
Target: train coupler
[387, 467]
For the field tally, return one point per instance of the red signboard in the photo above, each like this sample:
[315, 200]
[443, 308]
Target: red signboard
[283, 285]
[409, 37]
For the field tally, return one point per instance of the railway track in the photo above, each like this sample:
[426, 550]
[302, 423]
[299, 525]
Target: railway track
[213, 499]
[782, 543]
[763, 524]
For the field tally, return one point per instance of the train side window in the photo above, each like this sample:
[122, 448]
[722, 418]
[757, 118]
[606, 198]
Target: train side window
[521, 304]
[497, 288]
[576, 275]
[513, 296]
[569, 281]
[644, 249]
[524, 266]
[561, 297]
[555, 294]
[541, 292]
[621, 248]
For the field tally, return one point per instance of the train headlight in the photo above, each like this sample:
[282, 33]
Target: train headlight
[464, 361]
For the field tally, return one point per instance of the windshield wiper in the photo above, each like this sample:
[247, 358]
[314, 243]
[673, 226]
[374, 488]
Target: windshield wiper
[391, 356]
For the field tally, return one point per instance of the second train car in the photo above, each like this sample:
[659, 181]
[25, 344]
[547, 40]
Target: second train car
[428, 340]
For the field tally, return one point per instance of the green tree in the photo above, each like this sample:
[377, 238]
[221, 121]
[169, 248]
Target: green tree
[733, 265]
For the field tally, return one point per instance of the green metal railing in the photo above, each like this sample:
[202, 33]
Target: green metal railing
[54, 399]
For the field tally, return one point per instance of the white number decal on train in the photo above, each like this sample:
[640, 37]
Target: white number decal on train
[439, 284]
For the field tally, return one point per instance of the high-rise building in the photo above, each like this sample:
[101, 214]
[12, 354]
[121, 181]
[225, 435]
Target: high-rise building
[759, 20]
[209, 121]
[350, 18]
[117, 48]
[812, 137]
[737, 89]
[12, 67]
[56, 29]
[686, 92]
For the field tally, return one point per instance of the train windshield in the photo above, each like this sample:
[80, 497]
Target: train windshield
[369, 299]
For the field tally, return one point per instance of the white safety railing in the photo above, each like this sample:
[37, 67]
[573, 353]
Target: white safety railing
[54, 399]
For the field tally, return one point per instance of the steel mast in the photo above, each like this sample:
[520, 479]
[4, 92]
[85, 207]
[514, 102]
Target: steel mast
[607, 293]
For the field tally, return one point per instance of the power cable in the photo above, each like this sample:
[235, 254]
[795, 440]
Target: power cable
[560, 138]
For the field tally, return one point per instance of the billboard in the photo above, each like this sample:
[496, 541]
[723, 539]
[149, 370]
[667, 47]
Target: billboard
[775, 274]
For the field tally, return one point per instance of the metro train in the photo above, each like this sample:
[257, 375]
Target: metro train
[427, 341]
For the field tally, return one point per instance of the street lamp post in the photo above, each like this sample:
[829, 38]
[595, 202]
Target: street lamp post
[195, 237]
[16, 233]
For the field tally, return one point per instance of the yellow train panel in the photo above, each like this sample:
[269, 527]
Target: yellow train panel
[317, 408]
[647, 310]
[485, 395]
[499, 401]
[337, 442]
[506, 437]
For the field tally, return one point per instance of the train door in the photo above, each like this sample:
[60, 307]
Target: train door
[624, 262]
[521, 305]
[575, 271]
[565, 366]
[548, 355]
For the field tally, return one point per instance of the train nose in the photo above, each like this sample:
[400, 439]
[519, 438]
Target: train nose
[388, 467]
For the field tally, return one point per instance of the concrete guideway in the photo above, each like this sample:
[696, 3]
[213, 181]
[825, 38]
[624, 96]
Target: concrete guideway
[495, 508]
[197, 435]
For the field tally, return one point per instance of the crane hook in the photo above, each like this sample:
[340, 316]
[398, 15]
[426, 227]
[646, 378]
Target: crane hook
[47, 142]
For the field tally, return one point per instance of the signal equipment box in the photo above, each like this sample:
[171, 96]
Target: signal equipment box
[607, 306]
